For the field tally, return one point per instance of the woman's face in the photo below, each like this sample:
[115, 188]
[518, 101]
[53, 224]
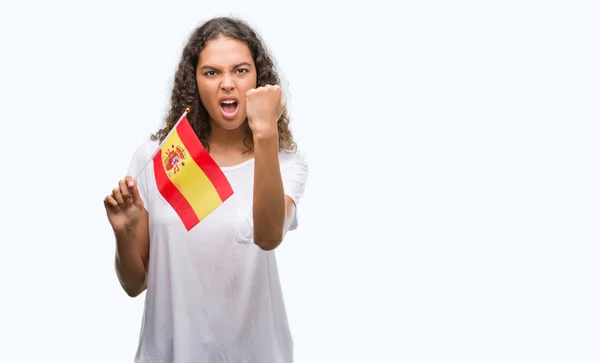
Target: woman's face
[225, 72]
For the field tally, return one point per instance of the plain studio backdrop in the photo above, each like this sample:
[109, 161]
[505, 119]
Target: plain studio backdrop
[452, 207]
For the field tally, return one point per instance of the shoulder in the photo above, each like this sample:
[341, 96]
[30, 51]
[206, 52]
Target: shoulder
[293, 166]
[289, 158]
[146, 148]
[142, 154]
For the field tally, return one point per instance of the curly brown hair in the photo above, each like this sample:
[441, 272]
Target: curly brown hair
[185, 90]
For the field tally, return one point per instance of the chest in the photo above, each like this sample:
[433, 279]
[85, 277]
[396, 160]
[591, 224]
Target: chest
[227, 225]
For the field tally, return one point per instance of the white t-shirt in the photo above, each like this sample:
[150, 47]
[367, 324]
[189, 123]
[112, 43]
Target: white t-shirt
[212, 294]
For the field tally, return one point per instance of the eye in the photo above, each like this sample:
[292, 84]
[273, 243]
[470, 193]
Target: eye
[210, 73]
[242, 70]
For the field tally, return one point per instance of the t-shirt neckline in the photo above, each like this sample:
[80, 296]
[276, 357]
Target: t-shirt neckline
[237, 166]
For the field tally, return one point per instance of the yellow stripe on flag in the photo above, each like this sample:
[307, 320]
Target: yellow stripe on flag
[192, 183]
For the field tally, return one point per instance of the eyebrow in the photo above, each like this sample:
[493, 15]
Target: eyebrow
[206, 66]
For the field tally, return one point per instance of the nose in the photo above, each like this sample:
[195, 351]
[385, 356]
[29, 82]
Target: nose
[227, 84]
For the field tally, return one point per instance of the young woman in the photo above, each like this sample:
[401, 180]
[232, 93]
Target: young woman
[213, 293]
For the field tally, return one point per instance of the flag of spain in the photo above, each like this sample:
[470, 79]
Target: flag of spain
[187, 176]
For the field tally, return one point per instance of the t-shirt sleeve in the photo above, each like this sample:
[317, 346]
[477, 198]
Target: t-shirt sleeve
[294, 174]
[140, 165]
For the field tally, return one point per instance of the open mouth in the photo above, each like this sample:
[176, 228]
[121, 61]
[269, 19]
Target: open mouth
[229, 105]
[229, 108]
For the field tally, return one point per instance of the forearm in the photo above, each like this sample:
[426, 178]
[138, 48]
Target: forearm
[129, 265]
[269, 199]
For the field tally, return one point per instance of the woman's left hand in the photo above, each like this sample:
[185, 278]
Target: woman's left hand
[264, 106]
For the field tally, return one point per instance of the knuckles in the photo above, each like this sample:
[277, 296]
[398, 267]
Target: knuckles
[122, 192]
[269, 88]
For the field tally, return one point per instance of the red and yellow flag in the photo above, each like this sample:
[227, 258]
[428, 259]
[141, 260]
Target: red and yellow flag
[187, 176]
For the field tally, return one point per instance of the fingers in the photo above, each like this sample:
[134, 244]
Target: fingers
[134, 191]
[270, 88]
[266, 88]
[110, 202]
[121, 196]
[279, 92]
[124, 189]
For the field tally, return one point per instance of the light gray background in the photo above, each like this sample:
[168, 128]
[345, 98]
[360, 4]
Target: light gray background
[452, 208]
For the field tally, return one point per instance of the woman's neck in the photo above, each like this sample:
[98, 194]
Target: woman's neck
[230, 142]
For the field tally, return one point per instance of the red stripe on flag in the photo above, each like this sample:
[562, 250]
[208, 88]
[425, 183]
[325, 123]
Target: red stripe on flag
[204, 160]
[172, 195]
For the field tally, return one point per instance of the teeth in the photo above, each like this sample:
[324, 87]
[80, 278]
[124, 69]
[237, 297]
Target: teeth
[228, 101]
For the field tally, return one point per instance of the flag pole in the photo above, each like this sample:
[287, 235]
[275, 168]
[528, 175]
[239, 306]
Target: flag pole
[187, 110]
